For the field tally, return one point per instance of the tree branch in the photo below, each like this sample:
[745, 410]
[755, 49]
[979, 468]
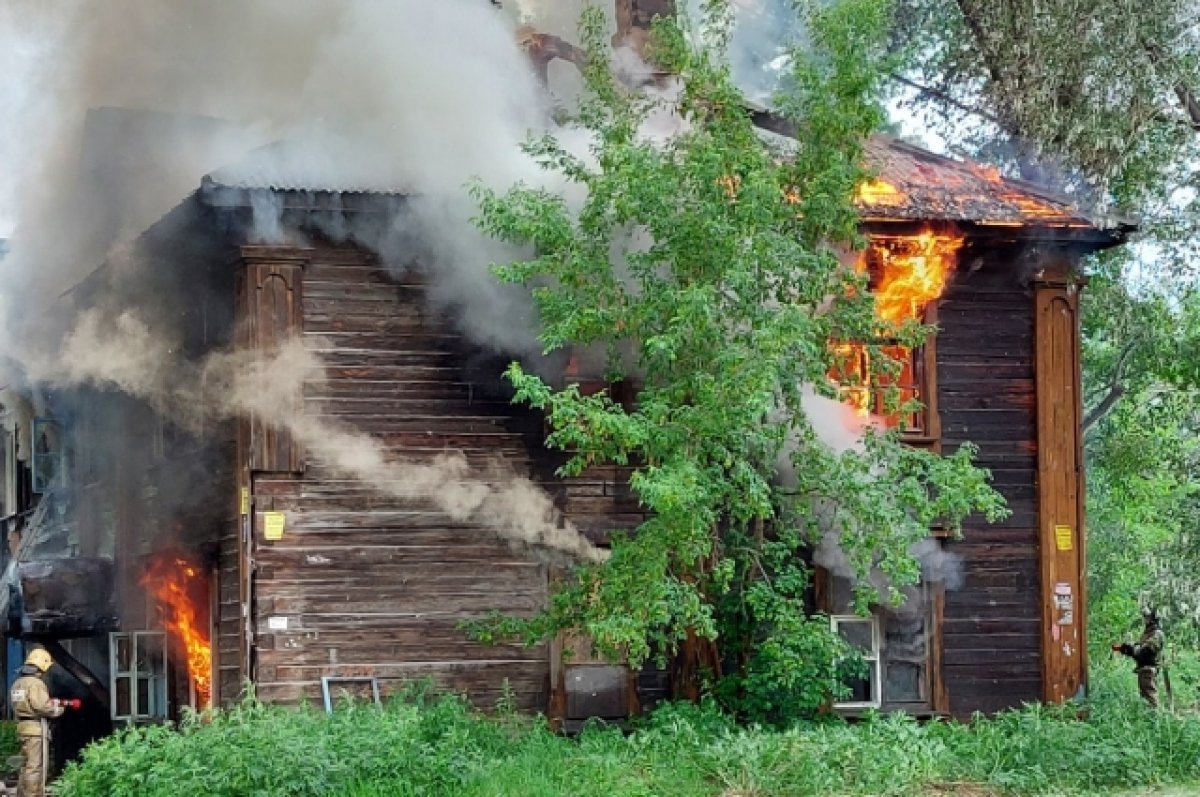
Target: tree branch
[1187, 98]
[943, 96]
[1116, 389]
[1101, 411]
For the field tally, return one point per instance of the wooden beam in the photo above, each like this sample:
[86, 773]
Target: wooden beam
[1060, 483]
[64, 659]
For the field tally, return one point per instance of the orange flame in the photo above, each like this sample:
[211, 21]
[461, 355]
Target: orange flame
[178, 587]
[911, 272]
[877, 192]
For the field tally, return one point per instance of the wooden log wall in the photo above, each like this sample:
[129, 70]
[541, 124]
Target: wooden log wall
[362, 584]
[991, 627]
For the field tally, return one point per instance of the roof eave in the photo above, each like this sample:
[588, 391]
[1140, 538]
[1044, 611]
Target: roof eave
[218, 195]
[1082, 235]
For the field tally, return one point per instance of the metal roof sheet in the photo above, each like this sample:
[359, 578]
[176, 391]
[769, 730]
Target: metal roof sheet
[913, 184]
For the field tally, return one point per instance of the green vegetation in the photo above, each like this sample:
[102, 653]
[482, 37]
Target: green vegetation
[419, 745]
[709, 265]
[9, 744]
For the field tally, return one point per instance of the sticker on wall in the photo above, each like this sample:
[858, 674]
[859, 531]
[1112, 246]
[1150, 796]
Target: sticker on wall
[1064, 604]
[244, 501]
[1063, 538]
[277, 623]
[273, 525]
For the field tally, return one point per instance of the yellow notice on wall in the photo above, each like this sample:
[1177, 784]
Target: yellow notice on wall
[273, 525]
[1063, 537]
[244, 501]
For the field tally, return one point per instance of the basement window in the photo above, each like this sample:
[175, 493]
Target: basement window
[862, 634]
[137, 663]
[896, 641]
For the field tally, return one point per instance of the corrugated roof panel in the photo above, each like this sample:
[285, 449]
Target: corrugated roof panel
[913, 184]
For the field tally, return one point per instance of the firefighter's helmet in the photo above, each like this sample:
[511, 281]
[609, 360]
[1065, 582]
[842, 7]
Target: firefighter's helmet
[38, 657]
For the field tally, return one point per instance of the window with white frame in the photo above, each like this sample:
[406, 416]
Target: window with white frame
[138, 676]
[862, 634]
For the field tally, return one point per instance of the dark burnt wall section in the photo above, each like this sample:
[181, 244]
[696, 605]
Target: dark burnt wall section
[991, 633]
[365, 585]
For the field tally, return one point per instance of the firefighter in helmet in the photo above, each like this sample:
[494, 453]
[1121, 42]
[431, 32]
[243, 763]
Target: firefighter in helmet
[1147, 656]
[33, 706]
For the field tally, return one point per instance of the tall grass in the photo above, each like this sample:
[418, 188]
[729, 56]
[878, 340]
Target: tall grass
[439, 746]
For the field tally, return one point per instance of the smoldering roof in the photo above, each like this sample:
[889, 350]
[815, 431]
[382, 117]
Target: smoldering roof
[919, 185]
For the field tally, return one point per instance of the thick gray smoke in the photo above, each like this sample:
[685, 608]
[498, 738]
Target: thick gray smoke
[407, 96]
[410, 95]
[134, 359]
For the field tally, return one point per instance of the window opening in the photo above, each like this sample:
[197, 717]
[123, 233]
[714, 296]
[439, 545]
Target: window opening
[862, 634]
[138, 680]
[895, 641]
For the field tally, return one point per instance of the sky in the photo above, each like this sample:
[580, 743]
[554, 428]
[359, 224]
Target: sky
[31, 69]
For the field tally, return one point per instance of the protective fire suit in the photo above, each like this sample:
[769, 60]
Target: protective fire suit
[1146, 654]
[32, 706]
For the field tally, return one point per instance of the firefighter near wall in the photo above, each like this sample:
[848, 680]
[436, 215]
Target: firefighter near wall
[33, 707]
[1147, 656]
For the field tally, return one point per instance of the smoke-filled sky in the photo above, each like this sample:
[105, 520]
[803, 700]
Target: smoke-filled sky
[268, 65]
[420, 94]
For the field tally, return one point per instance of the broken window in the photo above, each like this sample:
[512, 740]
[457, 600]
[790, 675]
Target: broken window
[138, 680]
[892, 391]
[896, 642]
[862, 634]
[47, 463]
[906, 274]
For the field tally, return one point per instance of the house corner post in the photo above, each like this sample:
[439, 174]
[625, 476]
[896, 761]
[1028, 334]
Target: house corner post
[1060, 487]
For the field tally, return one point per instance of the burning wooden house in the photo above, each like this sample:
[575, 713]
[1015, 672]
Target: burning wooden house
[169, 563]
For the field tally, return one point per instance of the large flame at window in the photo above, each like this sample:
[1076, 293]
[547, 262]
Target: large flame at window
[907, 273]
[180, 589]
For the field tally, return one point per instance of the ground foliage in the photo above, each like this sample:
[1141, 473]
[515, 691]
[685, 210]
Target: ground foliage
[709, 267]
[420, 744]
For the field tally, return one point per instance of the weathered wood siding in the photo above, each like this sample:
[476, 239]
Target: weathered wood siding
[371, 585]
[991, 632]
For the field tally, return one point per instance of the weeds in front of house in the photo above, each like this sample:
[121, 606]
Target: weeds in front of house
[421, 744]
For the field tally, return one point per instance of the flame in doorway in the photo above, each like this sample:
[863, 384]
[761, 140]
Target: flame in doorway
[179, 586]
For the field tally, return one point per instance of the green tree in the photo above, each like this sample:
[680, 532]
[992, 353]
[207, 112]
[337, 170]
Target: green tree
[1099, 99]
[716, 262]
[1143, 458]
[1099, 94]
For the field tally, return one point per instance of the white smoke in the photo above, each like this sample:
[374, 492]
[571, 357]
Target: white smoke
[840, 428]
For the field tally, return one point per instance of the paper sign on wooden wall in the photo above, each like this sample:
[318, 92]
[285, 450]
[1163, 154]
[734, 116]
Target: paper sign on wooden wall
[244, 501]
[1063, 537]
[273, 525]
